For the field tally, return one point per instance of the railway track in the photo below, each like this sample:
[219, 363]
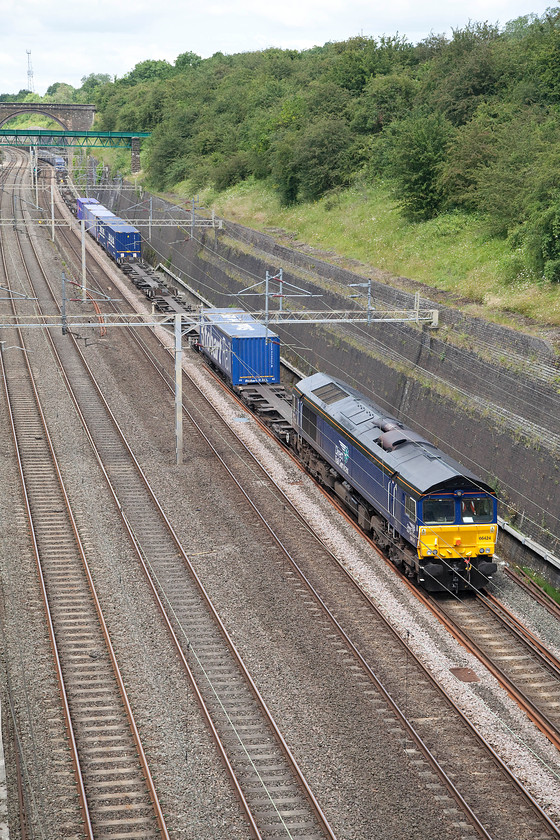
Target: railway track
[525, 582]
[275, 796]
[115, 789]
[528, 671]
[523, 822]
[432, 725]
[368, 638]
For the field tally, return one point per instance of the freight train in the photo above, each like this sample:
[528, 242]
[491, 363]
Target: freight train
[241, 348]
[433, 517]
[120, 239]
[54, 159]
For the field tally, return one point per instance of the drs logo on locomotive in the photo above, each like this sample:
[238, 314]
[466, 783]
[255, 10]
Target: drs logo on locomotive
[341, 455]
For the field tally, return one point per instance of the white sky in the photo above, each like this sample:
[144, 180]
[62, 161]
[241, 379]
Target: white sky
[71, 40]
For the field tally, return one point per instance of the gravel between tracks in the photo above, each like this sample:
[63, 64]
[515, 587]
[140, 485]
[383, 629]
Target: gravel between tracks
[518, 742]
[195, 793]
[502, 723]
[353, 762]
[513, 737]
[349, 757]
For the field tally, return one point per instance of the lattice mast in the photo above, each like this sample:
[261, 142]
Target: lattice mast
[29, 73]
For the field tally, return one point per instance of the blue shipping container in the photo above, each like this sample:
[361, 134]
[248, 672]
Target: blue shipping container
[93, 212]
[80, 202]
[240, 347]
[121, 240]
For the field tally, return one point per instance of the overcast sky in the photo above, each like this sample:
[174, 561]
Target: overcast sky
[69, 41]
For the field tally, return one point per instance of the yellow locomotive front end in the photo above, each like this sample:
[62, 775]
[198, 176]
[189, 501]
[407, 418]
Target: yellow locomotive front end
[457, 540]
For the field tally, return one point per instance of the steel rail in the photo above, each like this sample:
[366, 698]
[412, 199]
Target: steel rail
[425, 750]
[373, 606]
[528, 584]
[50, 625]
[523, 633]
[118, 676]
[17, 747]
[287, 501]
[140, 556]
[488, 746]
[243, 668]
[436, 766]
[539, 718]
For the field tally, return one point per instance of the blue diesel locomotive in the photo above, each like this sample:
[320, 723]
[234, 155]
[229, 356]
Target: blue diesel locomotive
[433, 517]
[55, 160]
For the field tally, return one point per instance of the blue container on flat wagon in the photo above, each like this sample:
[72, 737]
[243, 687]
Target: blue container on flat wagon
[121, 240]
[244, 350]
[93, 212]
[81, 201]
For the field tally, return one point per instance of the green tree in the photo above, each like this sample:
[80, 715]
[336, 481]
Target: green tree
[415, 153]
[544, 42]
[385, 98]
[231, 170]
[186, 60]
[462, 73]
[503, 163]
[540, 235]
[473, 153]
[60, 92]
[322, 157]
[147, 71]
[91, 85]
[283, 166]
[15, 97]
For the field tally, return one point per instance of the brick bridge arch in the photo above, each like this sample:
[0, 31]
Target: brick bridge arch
[69, 117]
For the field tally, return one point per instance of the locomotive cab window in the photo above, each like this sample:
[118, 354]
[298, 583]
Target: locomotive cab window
[410, 508]
[475, 509]
[438, 511]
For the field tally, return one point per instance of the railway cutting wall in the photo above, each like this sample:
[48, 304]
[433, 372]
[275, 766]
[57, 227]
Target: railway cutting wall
[487, 394]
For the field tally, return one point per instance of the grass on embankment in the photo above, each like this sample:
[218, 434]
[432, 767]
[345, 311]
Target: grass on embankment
[543, 583]
[453, 252]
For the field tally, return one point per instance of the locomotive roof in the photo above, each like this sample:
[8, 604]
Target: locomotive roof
[417, 462]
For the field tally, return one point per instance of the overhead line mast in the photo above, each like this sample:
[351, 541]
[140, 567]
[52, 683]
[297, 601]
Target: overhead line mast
[30, 85]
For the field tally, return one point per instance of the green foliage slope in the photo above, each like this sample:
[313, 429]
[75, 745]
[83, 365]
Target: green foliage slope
[469, 122]
[466, 124]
